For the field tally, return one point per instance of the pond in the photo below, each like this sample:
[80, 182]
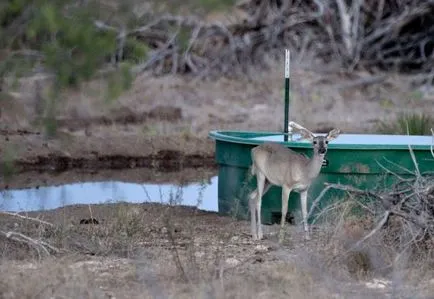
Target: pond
[202, 194]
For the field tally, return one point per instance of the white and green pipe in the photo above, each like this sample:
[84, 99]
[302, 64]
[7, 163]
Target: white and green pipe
[287, 88]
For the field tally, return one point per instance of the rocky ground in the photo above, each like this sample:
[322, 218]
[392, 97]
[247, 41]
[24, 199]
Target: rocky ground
[154, 251]
[157, 251]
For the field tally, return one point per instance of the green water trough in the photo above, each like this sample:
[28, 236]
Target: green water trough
[364, 161]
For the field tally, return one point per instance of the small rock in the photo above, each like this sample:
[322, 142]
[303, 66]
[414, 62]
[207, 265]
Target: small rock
[110, 295]
[89, 221]
[232, 261]
[260, 107]
[235, 238]
[377, 284]
[261, 248]
[259, 259]
[169, 113]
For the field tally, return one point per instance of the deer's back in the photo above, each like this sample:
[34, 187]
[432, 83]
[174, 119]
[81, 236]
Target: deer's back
[279, 164]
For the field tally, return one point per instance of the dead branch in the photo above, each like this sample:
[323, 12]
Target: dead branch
[432, 143]
[27, 218]
[377, 228]
[363, 82]
[414, 205]
[36, 244]
[388, 34]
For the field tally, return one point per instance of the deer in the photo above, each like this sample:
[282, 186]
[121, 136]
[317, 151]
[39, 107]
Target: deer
[275, 164]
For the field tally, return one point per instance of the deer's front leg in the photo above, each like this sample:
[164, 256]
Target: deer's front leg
[303, 199]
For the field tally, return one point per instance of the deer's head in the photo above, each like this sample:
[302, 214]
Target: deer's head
[320, 143]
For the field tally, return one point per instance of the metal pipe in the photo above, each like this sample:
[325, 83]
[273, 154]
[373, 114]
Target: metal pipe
[287, 88]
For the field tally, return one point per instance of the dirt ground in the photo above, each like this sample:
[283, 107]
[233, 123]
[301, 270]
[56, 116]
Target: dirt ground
[156, 251]
[165, 121]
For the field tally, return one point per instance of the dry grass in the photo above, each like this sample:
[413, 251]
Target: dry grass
[320, 98]
[156, 251]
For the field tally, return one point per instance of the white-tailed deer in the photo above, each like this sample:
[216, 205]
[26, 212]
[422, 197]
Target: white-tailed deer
[275, 164]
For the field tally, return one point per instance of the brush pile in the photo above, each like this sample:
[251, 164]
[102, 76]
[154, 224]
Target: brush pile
[384, 34]
[387, 34]
[405, 210]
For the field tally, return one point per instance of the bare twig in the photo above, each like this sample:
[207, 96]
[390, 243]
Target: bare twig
[380, 224]
[413, 158]
[38, 244]
[27, 218]
[363, 82]
[432, 143]
[361, 33]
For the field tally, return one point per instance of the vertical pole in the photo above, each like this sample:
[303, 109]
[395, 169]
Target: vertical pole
[287, 87]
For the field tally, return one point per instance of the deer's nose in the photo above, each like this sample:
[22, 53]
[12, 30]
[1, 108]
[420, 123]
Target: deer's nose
[322, 150]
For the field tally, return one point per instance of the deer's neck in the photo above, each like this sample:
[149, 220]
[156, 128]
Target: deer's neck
[315, 165]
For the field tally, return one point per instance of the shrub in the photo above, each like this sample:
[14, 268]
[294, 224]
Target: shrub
[408, 123]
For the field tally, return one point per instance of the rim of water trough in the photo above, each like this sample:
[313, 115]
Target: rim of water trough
[251, 137]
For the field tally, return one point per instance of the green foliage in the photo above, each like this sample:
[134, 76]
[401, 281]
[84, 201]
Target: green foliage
[193, 6]
[60, 37]
[184, 38]
[7, 167]
[135, 51]
[118, 82]
[408, 123]
[211, 5]
[73, 48]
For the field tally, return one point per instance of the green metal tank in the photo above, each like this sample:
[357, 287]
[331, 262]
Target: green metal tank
[364, 161]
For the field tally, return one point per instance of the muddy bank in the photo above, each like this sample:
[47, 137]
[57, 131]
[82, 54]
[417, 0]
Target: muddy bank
[30, 151]
[164, 122]
[34, 179]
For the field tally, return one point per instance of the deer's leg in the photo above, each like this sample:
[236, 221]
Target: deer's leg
[303, 199]
[254, 193]
[267, 186]
[285, 196]
[252, 204]
[261, 184]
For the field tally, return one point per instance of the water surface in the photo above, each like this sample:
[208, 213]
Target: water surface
[201, 194]
[362, 139]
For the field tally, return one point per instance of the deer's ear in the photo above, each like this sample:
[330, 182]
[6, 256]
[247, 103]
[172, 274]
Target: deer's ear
[333, 134]
[306, 135]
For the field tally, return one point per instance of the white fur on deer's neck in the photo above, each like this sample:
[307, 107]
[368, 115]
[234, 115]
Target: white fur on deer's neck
[315, 165]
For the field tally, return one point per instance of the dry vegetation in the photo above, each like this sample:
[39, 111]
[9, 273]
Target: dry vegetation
[237, 83]
[170, 251]
[155, 251]
[365, 34]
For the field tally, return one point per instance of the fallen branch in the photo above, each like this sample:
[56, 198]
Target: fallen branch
[36, 244]
[432, 143]
[377, 228]
[27, 218]
[363, 82]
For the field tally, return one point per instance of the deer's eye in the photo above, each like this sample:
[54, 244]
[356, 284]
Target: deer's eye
[315, 142]
[327, 142]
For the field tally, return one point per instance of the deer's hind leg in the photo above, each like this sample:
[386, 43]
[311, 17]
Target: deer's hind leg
[256, 228]
[255, 203]
[285, 197]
